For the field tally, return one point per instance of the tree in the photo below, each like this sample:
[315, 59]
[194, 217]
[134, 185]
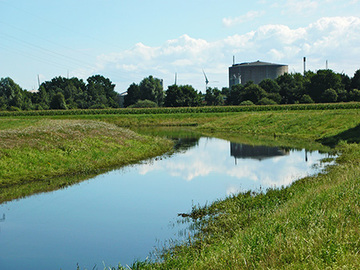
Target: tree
[58, 102]
[290, 88]
[151, 89]
[12, 94]
[355, 81]
[234, 95]
[174, 96]
[306, 99]
[102, 91]
[270, 86]
[253, 92]
[329, 95]
[214, 97]
[133, 95]
[354, 95]
[346, 81]
[321, 81]
[191, 97]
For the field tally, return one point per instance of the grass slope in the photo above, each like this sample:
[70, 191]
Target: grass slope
[312, 224]
[48, 153]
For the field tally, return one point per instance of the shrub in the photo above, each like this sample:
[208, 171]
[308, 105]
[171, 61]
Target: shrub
[306, 99]
[144, 104]
[247, 103]
[266, 101]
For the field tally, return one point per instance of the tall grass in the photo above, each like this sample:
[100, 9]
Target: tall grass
[64, 148]
[207, 109]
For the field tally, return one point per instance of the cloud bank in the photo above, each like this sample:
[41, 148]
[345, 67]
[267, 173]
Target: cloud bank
[334, 39]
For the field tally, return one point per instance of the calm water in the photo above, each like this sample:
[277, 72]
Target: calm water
[122, 215]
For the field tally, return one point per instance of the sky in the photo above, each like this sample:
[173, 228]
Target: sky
[128, 40]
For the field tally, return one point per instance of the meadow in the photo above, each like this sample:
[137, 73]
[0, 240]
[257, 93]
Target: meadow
[312, 224]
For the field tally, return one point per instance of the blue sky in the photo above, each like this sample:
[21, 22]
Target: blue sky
[128, 40]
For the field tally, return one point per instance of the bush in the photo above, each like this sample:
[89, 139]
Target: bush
[306, 99]
[329, 95]
[247, 103]
[144, 104]
[266, 101]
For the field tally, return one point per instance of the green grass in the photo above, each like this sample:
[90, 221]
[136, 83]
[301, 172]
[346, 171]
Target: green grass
[51, 152]
[312, 224]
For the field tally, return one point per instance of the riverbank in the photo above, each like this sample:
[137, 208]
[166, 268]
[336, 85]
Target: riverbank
[41, 155]
[313, 224]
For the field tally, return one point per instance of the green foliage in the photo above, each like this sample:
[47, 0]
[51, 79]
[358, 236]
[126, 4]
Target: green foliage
[49, 152]
[11, 95]
[321, 81]
[253, 92]
[355, 81]
[187, 110]
[270, 86]
[133, 95]
[182, 96]
[144, 104]
[290, 88]
[306, 99]
[234, 95]
[214, 97]
[58, 102]
[266, 101]
[150, 88]
[99, 92]
[329, 95]
[247, 103]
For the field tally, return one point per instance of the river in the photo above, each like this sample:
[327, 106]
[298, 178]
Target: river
[123, 215]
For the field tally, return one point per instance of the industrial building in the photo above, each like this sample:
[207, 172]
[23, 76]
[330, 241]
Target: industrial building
[255, 71]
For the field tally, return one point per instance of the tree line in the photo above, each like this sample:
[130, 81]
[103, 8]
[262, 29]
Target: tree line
[60, 93]
[323, 86]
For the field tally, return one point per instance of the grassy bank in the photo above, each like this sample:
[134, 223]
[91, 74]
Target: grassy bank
[49, 154]
[313, 224]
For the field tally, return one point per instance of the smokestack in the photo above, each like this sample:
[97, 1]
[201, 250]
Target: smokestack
[233, 60]
[304, 65]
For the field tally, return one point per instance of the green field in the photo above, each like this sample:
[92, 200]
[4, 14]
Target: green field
[313, 224]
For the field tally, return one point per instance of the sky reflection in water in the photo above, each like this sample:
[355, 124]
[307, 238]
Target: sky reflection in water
[122, 215]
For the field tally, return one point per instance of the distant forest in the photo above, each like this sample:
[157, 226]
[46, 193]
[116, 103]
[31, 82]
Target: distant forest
[324, 86]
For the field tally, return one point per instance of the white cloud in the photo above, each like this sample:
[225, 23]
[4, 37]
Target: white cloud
[329, 38]
[303, 7]
[251, 15]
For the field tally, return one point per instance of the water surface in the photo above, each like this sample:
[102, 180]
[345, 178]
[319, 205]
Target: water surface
[122, 215]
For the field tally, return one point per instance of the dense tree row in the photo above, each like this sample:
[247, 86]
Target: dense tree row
[324, 86]
[62, 93]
